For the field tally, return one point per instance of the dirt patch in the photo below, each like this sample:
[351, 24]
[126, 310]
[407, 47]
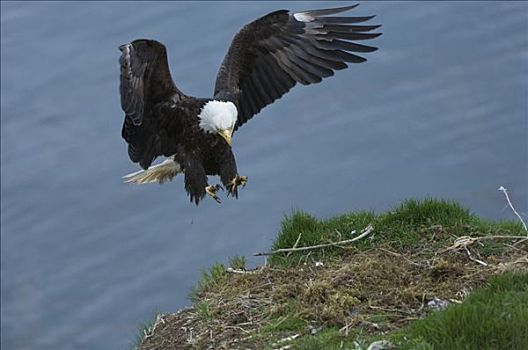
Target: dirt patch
[374, 291]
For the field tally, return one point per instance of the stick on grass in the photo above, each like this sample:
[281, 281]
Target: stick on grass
[364, 233]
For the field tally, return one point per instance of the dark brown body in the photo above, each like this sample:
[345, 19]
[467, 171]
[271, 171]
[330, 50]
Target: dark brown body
[198, 153]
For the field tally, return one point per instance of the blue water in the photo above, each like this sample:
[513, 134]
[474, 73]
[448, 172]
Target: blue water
[440, 110]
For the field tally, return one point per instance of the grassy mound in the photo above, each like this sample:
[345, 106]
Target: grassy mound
[406, 227]
[493, 317]
[420, 257]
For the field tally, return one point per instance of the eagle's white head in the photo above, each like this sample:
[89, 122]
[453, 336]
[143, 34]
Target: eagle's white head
[217, 117]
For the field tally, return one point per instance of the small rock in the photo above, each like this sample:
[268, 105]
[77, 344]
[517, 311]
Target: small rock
[437, 304]
[382, 345]
[313, 330]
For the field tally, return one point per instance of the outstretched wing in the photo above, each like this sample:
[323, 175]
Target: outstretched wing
[147, 97]
[273, 53]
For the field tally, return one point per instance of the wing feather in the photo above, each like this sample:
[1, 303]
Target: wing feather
[332, 20]
[148, 96]
[273, 53]
[347, 36]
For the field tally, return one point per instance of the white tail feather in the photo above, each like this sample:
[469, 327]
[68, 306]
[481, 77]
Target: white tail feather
[157, 173]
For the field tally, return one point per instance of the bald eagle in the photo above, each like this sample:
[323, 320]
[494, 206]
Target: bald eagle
[267, 57]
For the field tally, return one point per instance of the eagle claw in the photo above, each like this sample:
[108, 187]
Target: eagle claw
[212, 190]
[237, 181]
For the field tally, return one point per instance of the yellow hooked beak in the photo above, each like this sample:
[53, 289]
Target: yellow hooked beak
[226, 135]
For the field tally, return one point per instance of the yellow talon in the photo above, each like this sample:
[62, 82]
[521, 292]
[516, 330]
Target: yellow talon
[242, 180]
[237, 181]
[212, 190]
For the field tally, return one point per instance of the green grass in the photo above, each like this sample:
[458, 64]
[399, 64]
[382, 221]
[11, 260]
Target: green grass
[494, 317]
[429, 211]
[405, 226]
[203, 308]
[237, 262]
[332, 339]
[209, 279]
[284, 324]
[328, 339]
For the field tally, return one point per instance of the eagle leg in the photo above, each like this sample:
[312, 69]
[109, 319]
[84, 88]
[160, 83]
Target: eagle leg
[237, 181]
[212, 190]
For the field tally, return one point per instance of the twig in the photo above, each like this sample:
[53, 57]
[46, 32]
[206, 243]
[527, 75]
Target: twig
[520, 241]
[410, 318]
[423, 303]
[150, 331]
[190, 339]
[236, 327]
[365, 232]
[401, 256]
[505, 191]
[296, 243]
[344, 330]
[464, 241]
[474, 259]
[521, 260]
[243, 272]
[389, 309]
[283, 340]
